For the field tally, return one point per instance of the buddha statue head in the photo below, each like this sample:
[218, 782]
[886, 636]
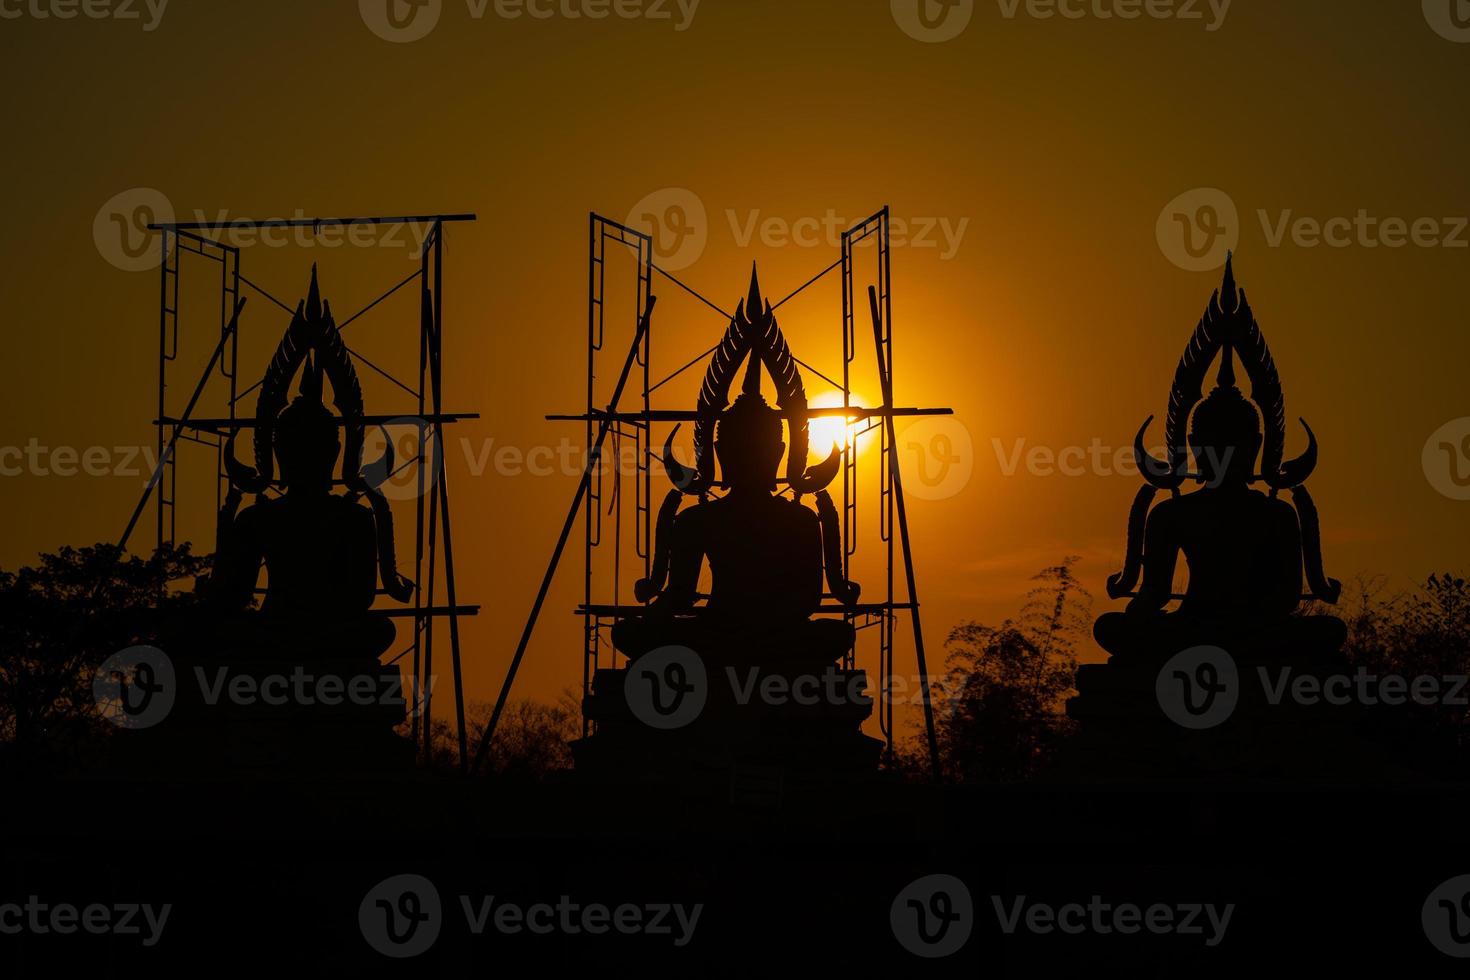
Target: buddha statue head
[1225, 438]
[1226, 432]
[748, 443]
[306, 435]
[749, 431]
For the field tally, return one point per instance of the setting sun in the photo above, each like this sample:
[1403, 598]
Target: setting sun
[829, 431]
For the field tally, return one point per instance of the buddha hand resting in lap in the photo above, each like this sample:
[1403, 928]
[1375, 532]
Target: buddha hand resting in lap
[766, 553]
[322, 551]
[1245, 549]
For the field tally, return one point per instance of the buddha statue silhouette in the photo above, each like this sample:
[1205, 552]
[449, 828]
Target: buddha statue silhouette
[766, 552]
[323, 552]
[1246, 550]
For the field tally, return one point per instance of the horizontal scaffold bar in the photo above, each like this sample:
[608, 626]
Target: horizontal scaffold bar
[405, 613]
[656, 415]
[304, 222]
[249, 423]
[872, 608]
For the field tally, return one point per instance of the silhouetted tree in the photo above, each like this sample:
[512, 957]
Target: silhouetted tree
[58, 622]
[1000, 706]
[1422, 632]
[531, 741]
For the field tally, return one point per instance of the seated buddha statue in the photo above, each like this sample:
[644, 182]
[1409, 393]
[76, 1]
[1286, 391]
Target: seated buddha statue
[1246, 550]
[322, 551]
[766, 552]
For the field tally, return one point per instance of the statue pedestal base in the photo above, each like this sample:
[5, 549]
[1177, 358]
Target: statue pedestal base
[329, 715]
[1259, 710]
[753, 729]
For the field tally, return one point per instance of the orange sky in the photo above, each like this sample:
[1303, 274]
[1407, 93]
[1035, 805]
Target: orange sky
[1034, 159]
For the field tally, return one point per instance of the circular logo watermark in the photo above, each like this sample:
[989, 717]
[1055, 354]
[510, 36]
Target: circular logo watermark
[1198, 229]
[933, 916]
[1446, 917]
[120, 229]
[937, 457]
[1199, 688]
[676, 220]
[1450, 19]
[401, 916]
[136, 687]
[400, 21]
[1446, 459]
[667, 688]
[417, 460]
[932, 21]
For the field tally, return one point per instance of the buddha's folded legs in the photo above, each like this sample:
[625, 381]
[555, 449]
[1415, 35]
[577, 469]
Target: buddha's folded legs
[636, 637]
[250, 635]
[815, 642]
[1126, 635]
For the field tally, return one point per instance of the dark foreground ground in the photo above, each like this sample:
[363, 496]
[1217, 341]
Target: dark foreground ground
[283, 878]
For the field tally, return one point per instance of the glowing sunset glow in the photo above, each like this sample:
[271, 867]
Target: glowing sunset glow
[1048, 316]
[827, 432]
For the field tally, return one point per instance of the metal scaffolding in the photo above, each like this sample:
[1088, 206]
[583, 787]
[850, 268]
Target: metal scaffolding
[198, 424]
[601, 505]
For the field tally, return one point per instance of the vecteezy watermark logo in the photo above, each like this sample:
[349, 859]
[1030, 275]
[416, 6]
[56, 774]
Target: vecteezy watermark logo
[574, 918]
[1446, 917]
[120, 229]
[1446, 459]
[1364, 687]
[932, 21]
[1450, 19]
[1100, 917]
[64, 919]
[679, 224]
[417, 460]
[1363, 230]
[37, 459]
[1211, 12]
[1094, 459]
[936, 457]
[136, 687]
[676, 220]
[832, 687]
[667, 688]
[1198, 229]
[120, 10]
[942, 234]
[300, 687]
[933, 916]
[400, 21]
[1198, 688]
[401, 916]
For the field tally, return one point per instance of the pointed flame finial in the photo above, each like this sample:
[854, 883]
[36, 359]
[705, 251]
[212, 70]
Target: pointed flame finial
[753, 313]
[1229, 302]
[314, 297]
[753, 303]
[1229, 294]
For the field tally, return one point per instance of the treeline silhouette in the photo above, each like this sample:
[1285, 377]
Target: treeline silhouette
[59, 620]
[1000, 705]
[532, 740]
